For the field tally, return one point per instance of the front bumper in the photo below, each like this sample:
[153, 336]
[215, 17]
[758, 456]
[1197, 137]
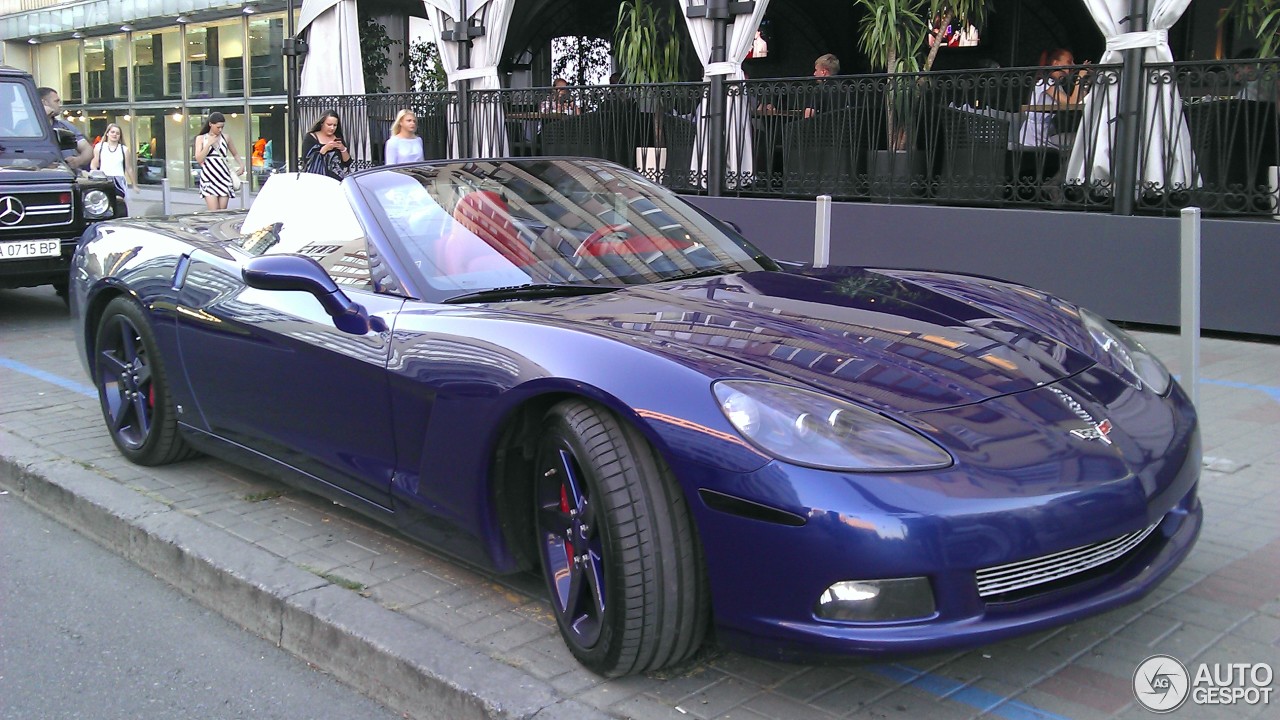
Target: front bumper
[1013, 497]
[963, 619]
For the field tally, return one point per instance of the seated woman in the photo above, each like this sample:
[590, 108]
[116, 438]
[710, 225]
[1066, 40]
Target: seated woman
[1054, 87]
[561, 101]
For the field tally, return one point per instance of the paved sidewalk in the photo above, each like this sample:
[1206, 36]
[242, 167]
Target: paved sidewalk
[433, 638]
[148, 201]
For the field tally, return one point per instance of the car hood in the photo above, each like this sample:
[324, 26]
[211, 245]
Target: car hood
[890, 340]
[34, 167]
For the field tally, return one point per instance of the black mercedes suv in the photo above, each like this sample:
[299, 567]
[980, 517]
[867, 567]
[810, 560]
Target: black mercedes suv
[44, 204]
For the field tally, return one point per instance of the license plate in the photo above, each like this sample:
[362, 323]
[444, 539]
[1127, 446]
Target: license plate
[21, 249]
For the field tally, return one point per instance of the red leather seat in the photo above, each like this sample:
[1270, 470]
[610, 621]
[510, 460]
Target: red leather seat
[483, 214]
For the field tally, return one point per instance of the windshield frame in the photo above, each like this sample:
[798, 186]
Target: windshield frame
[410, 205]
[15, 89]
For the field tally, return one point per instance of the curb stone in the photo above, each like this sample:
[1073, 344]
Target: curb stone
[410, 668]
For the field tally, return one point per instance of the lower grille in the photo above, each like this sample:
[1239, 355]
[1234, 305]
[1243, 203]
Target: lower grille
[1011, 577]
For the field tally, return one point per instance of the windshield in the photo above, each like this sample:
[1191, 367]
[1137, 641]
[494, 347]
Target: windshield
[18, 118]
[478, 225]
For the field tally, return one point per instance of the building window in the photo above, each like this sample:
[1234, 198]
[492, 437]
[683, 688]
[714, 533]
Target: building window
[58, 67]
[267, 150]
[266, 49]
[157, 64]
[215, 59]
[106, 69]
[160, 145]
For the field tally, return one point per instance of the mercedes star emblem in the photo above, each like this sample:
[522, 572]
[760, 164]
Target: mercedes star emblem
[11, 210]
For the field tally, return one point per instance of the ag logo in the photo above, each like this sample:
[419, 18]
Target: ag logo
[11, 210]
[1161, 683]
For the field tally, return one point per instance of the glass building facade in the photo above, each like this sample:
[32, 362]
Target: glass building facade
[159, 84]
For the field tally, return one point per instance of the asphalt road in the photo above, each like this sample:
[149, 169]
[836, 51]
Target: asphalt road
[87, 634]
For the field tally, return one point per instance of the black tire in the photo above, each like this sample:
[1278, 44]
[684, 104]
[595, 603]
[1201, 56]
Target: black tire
[133, 387]
[617, 543]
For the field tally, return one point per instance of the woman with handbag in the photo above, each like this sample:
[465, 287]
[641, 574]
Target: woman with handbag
[217, 182]
[324, 152]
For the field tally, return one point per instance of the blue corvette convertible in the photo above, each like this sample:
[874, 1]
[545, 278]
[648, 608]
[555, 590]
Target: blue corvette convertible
[556, 365]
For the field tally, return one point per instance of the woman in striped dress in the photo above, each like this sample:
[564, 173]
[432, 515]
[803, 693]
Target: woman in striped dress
[212, 149]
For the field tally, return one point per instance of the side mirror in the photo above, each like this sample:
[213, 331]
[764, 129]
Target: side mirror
[66, 138]
[297, 272]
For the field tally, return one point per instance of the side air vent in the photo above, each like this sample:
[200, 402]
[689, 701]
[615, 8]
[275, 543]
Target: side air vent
[749, 509]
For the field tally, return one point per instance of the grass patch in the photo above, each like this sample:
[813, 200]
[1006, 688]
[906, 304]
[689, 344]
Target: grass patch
[264, 495]
[336, 579]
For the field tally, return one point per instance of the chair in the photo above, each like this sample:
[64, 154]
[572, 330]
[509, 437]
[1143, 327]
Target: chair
[976, 157]
[827, 153]
[1234, 141]
[520, 138]
[574, 135]
[483, 214]
[434, 131]
[622, 129]
[679, 136]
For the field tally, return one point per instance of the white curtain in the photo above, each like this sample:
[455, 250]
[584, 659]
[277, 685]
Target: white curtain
[332, 65]
[488, 129]
[742, 32]
[1164, 160]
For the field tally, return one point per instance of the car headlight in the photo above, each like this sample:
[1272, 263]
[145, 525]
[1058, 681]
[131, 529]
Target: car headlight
[818, 430]
[1127, 352]
[97, 204]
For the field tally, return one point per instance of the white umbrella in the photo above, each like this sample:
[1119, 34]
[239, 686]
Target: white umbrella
[742, 32]
[1165, 161]
[332, 66]
[488, 129]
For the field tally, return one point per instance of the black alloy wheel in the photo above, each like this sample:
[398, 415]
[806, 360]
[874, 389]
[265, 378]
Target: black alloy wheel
[618, 548]
[134, 388]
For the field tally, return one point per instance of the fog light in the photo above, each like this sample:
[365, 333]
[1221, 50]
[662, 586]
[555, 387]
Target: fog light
[877, 600]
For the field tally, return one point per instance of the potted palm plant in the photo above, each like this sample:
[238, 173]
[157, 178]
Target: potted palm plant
[893, 36]
[647, 44]
[1259, 19]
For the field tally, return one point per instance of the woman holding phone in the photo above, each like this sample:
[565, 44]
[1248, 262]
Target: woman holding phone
[324, 152]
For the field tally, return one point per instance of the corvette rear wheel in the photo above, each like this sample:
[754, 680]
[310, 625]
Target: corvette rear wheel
[617, 543]
[133, 387]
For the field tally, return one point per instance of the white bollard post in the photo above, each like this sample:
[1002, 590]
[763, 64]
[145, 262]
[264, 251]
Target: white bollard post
[165, 200]
[1273, 186]
[822, 233]
[1190, 241]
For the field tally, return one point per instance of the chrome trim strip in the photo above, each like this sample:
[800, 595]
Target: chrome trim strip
[1055, 566]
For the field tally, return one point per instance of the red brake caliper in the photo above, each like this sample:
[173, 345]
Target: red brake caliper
[564, 508]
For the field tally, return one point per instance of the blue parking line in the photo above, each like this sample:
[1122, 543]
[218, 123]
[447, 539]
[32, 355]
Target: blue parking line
[1274, 392]
[982, 700]
[48, 377]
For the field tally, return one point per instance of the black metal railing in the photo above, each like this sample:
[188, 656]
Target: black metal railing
[984, 137]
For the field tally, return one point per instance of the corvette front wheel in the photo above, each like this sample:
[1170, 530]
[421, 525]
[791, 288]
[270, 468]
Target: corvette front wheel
[133, 387]
[618, 547]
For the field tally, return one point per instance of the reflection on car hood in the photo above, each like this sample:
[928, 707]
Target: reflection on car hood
[906, 341]
[32, 167]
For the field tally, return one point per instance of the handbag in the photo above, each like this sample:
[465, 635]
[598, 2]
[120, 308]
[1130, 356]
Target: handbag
[236, 182]
[315, 162]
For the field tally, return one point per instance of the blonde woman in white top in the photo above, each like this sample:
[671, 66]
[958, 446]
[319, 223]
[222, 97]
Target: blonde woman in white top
[404, 145]
[112, 158]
